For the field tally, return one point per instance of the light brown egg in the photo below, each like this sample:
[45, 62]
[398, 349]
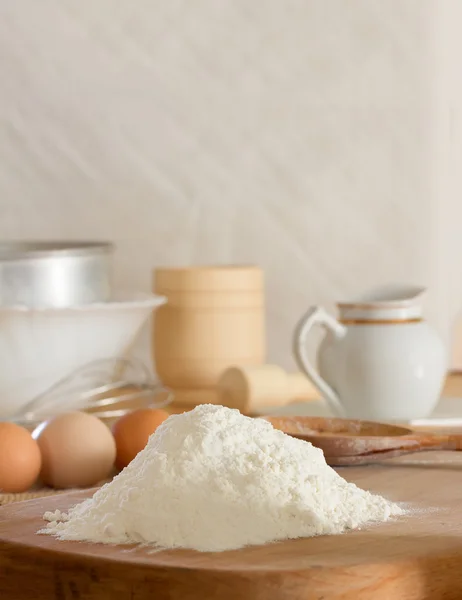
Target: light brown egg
[78, 450]
[132, 431]
[20, 459]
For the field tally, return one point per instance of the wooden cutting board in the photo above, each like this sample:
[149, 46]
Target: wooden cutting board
[418, 557]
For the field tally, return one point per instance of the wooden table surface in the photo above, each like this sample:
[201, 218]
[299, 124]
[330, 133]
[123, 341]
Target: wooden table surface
[417, 557]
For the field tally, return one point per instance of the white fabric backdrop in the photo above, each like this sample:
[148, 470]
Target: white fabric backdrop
[318, 138]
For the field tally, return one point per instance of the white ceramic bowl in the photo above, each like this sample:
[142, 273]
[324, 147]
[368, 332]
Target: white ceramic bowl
[38, 347]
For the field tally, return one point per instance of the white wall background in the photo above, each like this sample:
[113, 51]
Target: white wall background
[318, 138]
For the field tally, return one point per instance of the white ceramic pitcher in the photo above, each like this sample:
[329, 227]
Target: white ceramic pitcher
[380, 360]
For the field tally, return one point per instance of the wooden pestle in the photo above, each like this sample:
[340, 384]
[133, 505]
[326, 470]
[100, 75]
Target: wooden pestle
[250, 388]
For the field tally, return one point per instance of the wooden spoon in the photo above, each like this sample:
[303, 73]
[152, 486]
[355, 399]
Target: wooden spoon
[355, 442]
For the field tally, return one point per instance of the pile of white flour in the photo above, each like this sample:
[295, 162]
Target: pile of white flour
[212, 479]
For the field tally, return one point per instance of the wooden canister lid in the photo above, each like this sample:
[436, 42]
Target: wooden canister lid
[220, 278]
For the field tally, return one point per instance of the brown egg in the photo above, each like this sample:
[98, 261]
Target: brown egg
[78, 450]
[132, 431]
[20, 458]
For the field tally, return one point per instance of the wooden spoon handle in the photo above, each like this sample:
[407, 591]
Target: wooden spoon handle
[434, 441]
[454, 442]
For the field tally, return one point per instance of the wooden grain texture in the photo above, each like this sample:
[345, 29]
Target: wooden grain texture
[418, 557]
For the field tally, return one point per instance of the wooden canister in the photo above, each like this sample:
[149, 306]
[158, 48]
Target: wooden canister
[214, 318]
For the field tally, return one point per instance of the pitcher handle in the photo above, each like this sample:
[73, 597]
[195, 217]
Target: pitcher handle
[316, 315]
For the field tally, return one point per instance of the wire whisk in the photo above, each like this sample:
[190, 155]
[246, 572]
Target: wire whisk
[96, 387]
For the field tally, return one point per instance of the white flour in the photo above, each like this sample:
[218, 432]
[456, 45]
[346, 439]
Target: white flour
[212, 479]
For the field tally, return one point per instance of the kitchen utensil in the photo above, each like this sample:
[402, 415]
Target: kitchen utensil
[251, 388]
[40, 346]
[354, 442]
[214, 319]
[416, 557]
[97, 387]
[380, 360]
[54, 274]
